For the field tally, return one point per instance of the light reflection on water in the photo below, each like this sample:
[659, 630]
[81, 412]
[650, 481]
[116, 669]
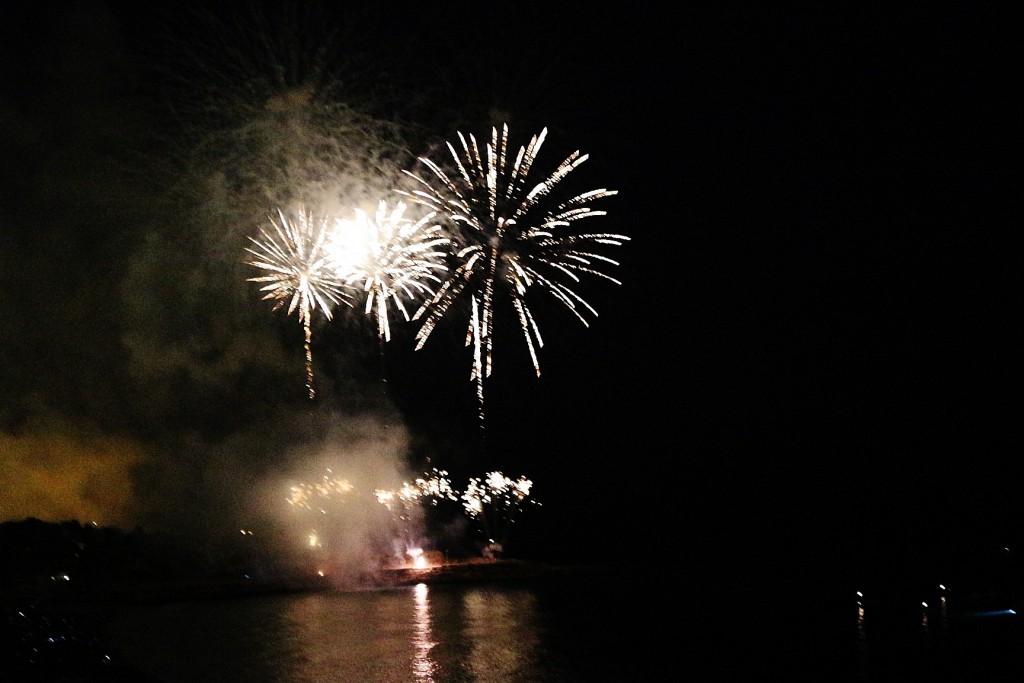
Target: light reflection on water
[423, 667]
[503, 636]
[419, 633]
[938, 638]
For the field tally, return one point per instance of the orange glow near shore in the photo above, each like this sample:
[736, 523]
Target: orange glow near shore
[419, 559]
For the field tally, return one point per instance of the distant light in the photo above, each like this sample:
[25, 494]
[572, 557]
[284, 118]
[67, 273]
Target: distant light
[993, 613]
[941, 587]
[924, 604]
[859, 594]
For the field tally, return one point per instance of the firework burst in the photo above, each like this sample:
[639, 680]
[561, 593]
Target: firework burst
[511, 235]
[495, 502]
[306, 495]
[389, 258]
[300, 276]
[431, 487]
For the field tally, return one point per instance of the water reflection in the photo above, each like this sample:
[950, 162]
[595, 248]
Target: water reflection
[892, 630]
[422, 667]
[419, 633]
[500, 628]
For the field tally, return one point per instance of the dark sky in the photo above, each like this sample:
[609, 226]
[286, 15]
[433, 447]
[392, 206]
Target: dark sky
[816, 339]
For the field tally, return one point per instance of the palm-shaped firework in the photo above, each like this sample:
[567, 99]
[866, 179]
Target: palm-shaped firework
[300, 272]
[511, 235]
[389, 258]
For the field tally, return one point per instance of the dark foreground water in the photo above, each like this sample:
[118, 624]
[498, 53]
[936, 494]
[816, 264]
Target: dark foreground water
[592, 625]
[582, 627]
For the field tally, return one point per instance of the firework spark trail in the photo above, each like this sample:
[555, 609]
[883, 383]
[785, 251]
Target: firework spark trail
[294, 255]
[389, 258]
[508, 237]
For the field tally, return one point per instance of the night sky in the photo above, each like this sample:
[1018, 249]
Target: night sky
[814, 351]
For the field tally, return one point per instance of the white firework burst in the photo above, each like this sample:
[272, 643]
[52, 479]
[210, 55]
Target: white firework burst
[511, 235]
[389, 259]
[300, 276]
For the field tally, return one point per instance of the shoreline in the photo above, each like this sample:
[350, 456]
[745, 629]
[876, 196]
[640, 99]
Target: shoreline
[59, 632]
[99, 597]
